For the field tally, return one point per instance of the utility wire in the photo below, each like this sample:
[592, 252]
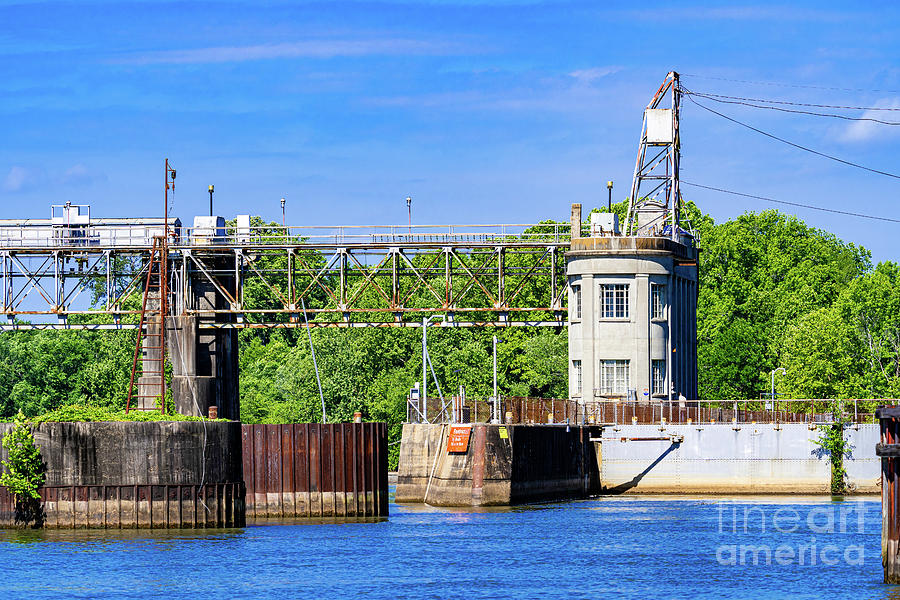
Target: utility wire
[795, 145]
[785, 102]
[798, 204]
[789, 110]
[793, 85]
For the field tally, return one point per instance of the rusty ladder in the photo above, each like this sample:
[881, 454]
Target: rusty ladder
[155, 336]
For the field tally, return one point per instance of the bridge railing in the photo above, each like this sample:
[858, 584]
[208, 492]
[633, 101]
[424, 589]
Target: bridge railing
[362, 235]
[521, 410]
[140, 234]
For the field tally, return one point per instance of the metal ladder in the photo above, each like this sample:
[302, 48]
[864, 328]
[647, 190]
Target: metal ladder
[152, 329]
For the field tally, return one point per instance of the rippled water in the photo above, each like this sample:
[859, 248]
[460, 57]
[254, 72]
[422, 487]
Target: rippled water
[641, 547]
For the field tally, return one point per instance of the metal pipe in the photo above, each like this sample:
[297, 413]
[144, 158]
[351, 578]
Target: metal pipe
[496, 417]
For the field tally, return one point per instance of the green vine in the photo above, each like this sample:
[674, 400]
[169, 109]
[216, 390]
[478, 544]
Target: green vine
[833, 443]
[24, 468]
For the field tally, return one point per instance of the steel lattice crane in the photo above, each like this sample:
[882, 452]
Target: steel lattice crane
[655, 201]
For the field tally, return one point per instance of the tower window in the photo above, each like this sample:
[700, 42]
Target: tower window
[614, 300]
[614, 377]
[659, 377]
[576, 367]
[576, 302]
[657, 301]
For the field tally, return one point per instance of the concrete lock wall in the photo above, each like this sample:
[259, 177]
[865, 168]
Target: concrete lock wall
[316, 470]
[136, 475]
[529, 463]
[863, 466]
[721, 458]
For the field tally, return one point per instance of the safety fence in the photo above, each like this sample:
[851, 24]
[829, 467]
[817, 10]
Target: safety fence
[524, 410]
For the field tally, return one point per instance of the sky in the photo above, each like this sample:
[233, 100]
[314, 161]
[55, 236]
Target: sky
[482, 112]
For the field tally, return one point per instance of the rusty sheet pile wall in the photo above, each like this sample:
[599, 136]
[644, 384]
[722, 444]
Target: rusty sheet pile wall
[136, 475]
[889, 451]
[316, 470]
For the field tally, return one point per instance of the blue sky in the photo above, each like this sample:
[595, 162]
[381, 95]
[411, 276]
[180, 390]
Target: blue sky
[483, 112]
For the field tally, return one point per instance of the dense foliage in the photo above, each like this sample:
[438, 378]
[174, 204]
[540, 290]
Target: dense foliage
[773, 292]
[23, 469]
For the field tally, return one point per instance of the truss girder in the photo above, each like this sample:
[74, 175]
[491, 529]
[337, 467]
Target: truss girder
[374, 285]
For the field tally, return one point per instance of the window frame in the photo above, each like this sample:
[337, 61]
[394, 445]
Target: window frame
[658, 366]
[621, 377]
[579, 381]
[658, 292]
[617, 290]
[577, 309]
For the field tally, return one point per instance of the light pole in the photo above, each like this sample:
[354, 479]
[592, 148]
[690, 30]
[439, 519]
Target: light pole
[496, 418]
[282, 212]
[212, 188]
[609, 186]
[775, 402]
[409, 209]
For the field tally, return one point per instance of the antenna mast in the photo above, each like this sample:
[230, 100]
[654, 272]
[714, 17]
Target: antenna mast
[655, 192]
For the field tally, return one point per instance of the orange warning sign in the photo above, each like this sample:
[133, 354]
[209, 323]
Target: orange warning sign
[459, 439]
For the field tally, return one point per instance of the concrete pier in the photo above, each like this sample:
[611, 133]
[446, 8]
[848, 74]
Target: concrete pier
[726, 458]
[500, 465]
[160, 474]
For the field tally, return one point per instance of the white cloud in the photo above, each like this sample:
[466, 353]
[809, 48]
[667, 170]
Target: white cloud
[80, 175]
[864, 131]
[589, 76]
[17, 179]
[302, 49]
[742, 13]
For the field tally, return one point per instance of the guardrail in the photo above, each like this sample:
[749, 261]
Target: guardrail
[45, 235]
[520, 410]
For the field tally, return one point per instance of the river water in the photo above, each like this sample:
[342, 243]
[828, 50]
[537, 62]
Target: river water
[612, 547]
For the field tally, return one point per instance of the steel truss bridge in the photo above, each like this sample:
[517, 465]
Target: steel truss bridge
[91, 275]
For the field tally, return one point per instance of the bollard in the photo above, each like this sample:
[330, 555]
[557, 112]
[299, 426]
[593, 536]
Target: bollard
[213, 412]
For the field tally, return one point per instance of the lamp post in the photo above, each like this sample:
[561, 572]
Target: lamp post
[609, 186]
[282, 212]
[496, 418]
[212, 188]
[409, 209]
[774, 401]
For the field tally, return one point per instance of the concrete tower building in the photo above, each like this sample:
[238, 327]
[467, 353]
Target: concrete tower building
[632, 314]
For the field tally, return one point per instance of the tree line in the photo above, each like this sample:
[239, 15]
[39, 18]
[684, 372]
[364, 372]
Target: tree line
[773, 292]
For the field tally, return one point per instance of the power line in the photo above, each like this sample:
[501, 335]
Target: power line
[793, 85]
[798, 204]
[789, 110]
[795, 145]
[769, 101]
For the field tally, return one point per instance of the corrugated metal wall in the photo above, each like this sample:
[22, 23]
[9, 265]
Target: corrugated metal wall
[316, 470]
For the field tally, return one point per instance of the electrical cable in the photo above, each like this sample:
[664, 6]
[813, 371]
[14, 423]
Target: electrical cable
[785, 102]
[313, 352]
[793, 85]
[798, 204]
[789, 110]
[795, 145]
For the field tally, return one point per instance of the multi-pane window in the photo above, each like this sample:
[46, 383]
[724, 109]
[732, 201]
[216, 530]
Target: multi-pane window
[576, 366]
[614, 300]
[659, 377]
[614, 377]
[657, 301]
[576, 301]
